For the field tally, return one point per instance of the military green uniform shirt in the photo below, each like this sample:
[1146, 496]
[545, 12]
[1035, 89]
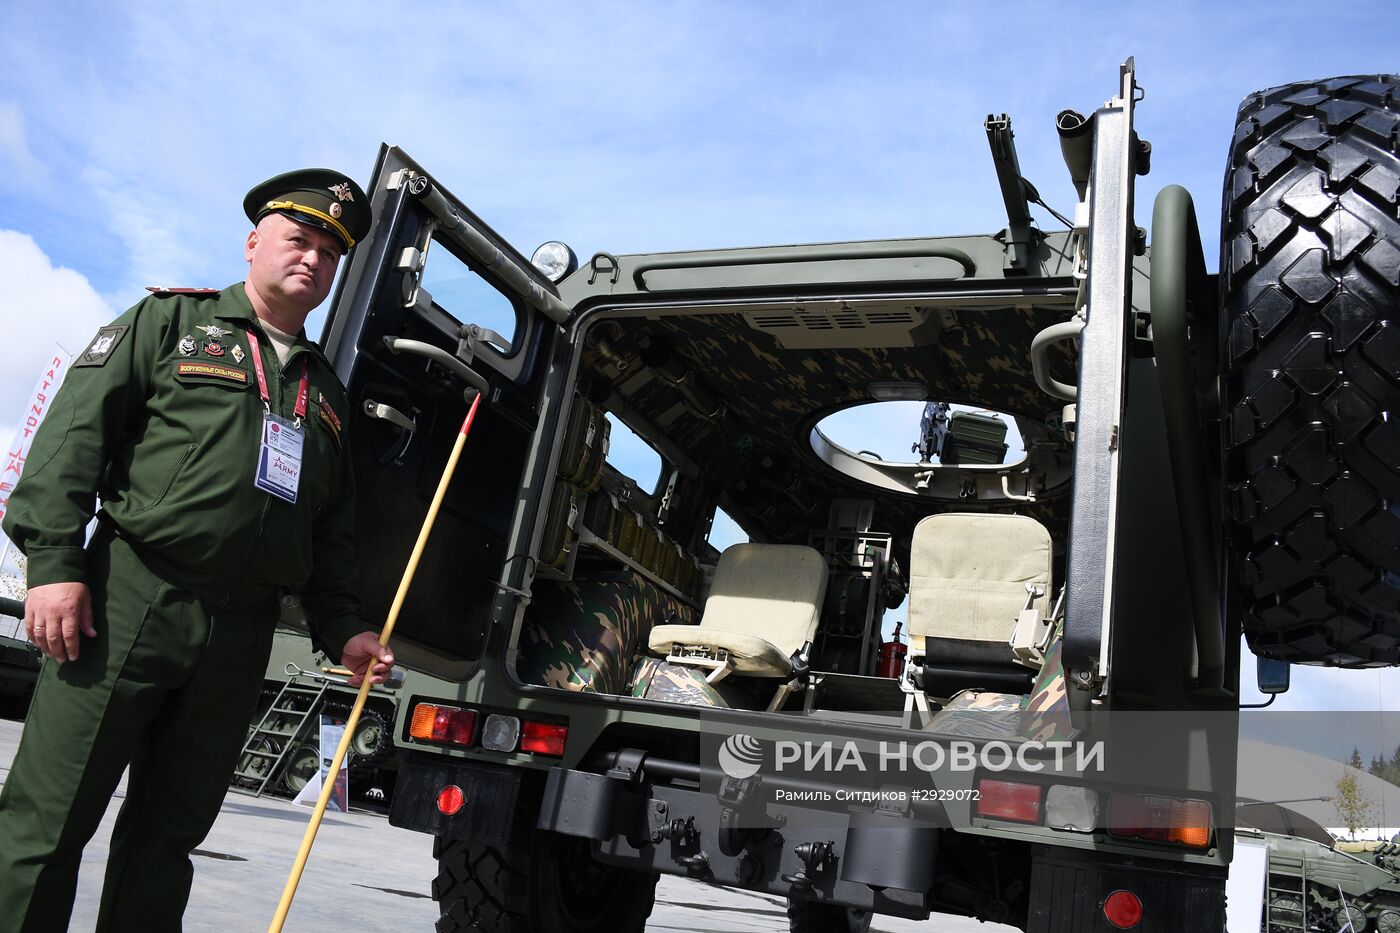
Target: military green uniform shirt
[162, 417]
[170, 407]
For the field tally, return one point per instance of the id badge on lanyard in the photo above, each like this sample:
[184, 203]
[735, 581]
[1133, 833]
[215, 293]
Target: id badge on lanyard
[283, 442]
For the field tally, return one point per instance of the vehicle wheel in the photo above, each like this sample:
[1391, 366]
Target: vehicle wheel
[1285, 913]
[257, 766]
[370, 744]
[811, 917]
[1310, 275]
[1354, 914]
[302, 765]
[1388, 921]
[545, 883]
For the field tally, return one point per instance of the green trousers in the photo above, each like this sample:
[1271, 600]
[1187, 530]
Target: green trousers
[167, 687]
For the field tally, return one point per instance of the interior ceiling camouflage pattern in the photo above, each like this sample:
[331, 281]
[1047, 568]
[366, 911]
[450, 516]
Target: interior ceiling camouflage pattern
[764, 398]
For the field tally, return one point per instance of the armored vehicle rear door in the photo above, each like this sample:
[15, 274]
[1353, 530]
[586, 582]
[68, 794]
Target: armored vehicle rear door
[410, 332]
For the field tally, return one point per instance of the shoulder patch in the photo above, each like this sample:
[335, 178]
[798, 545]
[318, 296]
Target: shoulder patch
[196, 292]
[100, 350]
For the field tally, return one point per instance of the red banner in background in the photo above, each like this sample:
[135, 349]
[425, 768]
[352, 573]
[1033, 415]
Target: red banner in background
[34, 411]
[15, 454]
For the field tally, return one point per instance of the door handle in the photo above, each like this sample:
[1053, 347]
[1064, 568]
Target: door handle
[390, 414]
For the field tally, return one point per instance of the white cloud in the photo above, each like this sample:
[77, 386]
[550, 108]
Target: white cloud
[161, 251]
[17, 163]
[41, 305]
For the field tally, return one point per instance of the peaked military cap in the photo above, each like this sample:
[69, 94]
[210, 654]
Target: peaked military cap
[315, 196]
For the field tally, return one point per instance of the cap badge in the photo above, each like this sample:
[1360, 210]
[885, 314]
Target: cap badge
[188, 346]
[236, 353]
[336, 209]
[341, 191]
[213, 331]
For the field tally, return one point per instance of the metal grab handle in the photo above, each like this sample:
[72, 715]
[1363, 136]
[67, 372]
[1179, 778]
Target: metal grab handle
[438, 355]
[1040, 358]
[11, 607]
[392, 415]
[765, 257]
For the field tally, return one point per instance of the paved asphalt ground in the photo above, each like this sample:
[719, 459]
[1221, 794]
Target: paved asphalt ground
[365, 875]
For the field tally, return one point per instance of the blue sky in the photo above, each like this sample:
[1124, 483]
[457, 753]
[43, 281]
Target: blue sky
[129, 132]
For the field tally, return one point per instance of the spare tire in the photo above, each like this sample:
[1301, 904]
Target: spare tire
[1310, 281]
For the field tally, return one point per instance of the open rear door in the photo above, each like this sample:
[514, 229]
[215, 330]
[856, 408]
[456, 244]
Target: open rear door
[432, 304]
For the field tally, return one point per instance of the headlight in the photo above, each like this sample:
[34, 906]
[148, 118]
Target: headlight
[555, 260]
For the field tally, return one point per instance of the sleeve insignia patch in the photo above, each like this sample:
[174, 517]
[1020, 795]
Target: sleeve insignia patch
[100, 350]
[329, 418]
[214, 370]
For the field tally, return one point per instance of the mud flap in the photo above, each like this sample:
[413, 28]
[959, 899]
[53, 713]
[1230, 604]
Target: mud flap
[1068, 891]
[489, 793]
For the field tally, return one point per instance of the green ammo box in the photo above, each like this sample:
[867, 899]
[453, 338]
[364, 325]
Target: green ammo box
[670, 560]
[601, 516]
[649, 548]
[974, 438]
[561, 526]
[585, 445]
[629, 533]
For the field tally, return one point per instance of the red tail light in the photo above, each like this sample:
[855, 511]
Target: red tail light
[1160, 819]
[443, 724]
[1009, 800]
[543, 738]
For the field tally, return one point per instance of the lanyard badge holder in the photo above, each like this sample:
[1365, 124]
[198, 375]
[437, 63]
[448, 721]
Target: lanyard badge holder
[283, 442]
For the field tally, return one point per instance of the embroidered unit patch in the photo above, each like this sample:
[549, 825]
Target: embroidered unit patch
[100, 350]
[198, 368]
[329, 418]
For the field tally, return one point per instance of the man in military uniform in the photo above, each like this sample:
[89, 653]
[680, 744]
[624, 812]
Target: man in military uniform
[213, 432]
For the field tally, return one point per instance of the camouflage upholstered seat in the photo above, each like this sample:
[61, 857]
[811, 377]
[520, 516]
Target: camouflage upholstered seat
[585, 635]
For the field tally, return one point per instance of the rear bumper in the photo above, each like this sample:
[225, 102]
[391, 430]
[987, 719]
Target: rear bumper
[655, 816]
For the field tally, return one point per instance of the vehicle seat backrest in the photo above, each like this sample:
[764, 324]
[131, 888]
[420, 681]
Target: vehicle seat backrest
[967, 583]
[771, 590]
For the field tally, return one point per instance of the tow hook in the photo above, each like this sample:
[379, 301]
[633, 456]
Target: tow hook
[815, 857]
[696, 864]
[681, 832]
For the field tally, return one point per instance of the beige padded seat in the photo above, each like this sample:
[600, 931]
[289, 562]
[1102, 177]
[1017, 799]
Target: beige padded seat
[968, 577]
[763, 607]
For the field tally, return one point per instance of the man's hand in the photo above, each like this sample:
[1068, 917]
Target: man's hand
[360, 651]
[54, 614]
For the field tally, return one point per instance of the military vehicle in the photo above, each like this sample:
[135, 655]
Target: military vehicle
[1315, 881]
[599, 695]
[1340, 887]
[283, 749]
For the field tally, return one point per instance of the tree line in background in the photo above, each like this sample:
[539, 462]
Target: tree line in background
[1385, 769]
[1354, 807]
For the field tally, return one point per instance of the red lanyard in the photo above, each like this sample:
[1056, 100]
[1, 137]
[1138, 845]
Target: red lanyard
[302, 391]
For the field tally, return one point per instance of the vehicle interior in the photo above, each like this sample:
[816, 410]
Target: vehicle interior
[632, 596]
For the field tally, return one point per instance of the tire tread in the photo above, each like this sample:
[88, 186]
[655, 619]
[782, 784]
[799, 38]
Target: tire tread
[1310, 276]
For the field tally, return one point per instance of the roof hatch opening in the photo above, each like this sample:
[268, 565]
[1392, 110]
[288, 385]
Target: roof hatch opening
[925, 433]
